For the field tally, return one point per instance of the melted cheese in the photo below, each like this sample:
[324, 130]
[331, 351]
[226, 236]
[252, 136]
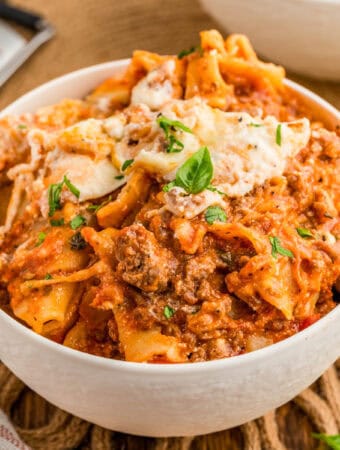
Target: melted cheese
[156, 88]
[181, 204]
[93, 178]
[245, 151]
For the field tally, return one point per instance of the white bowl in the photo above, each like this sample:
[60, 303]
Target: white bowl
[302, 35]
[165, 400]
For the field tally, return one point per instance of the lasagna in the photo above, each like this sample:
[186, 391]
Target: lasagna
[185, 210]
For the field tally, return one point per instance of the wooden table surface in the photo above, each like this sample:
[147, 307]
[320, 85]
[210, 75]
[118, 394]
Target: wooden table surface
[94, 31]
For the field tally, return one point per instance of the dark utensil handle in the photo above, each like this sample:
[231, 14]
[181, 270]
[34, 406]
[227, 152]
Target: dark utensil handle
[20, 16]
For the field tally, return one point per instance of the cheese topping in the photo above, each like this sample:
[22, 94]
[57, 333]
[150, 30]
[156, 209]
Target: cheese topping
[245, 151]
[156, 88]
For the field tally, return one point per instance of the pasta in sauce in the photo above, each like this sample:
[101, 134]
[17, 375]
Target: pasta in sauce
[186, 210]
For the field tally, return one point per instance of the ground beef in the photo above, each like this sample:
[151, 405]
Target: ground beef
[142, 261]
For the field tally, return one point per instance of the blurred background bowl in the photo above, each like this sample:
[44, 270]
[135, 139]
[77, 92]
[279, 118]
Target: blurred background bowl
[301, 35]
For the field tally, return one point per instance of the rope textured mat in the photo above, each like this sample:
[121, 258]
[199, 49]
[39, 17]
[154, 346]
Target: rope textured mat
[45, 427]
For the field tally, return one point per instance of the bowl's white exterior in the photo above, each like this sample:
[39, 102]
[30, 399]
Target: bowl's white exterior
[302, 35]
[164, 400]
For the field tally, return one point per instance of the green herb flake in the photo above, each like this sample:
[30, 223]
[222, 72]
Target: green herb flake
[119, 177]
[278, 249]
[215, 214]
[333, 441]
[169, 186]
[175, 146]
[77, 242]
[187, 52]
[71, 187]
[22, 126]
[77, 222]
[41, 238]
[48, 276]
[168, 125]
[279, 134]
[57, 222]
[127, 164]
[168, 312]
[304, 233]
[96, 208]
[214, 189]
[196, 173]
[255, 125]
[53, 193]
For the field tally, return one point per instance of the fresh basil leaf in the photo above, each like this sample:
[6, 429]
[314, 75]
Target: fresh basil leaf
[71, 187]
[333, 441]
[215, 214]
[126, 164]
[278, 249]
[279, 134]
[77, 222]
[168, 312]
[304, 233]
[196, 173]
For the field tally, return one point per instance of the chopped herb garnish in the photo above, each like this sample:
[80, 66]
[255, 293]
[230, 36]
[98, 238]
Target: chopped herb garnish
[77, 222]
[54, 192]
[48, 276]
[169, 186]
[215, 214]
[95, 208]
[214, 189]
[126, 164]
[169, 126]
[278, 249]
[22, 126]
[41, 238]
[256, 125]
[168, 312]
[119, 177]
[71, 187]
[175, 146]
[187, 52]
[57, 222]
[304, 233]
[279, 134]
[333, 441]
[77, 242]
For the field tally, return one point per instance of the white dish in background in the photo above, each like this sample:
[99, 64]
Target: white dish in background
[301, 35]
[165, 400]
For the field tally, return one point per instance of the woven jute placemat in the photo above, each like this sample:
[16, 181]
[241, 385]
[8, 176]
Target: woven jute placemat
[94, 31]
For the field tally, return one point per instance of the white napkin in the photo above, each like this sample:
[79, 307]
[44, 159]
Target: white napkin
[9, 439]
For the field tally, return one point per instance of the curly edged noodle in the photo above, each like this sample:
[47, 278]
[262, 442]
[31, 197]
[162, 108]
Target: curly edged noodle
[129, 149]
